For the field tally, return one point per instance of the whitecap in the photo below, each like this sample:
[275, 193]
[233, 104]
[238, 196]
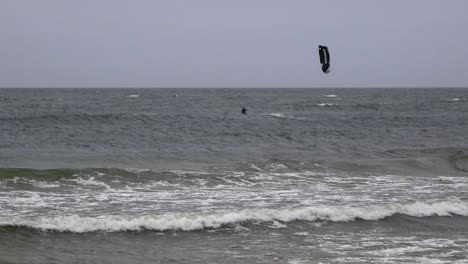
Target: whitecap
[454, 100]
[253, 166]
[326, 104]
[280, 115]
[90, 181]
[276, 166]
[218, 219]
[277, 224]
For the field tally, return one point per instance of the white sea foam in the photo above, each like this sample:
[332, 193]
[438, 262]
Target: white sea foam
[280, 115]
[326, 104]
[41, 184]
[133, 96]
[330, 95]
[454, 100]
[217, 219]
[253, 166]
[90, 181]
[277, 224]
[276, 166]
[284, 116]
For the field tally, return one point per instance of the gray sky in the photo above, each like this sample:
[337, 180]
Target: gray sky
[233, 43]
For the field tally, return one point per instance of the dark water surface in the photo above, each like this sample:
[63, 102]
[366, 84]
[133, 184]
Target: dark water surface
[181, 176]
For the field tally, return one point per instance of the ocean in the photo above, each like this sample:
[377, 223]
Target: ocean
[182, 176]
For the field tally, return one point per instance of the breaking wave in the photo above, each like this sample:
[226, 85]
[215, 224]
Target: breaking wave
[326, 104]
[428, 161]
[281, 115]
[454, 100]
[218, 219]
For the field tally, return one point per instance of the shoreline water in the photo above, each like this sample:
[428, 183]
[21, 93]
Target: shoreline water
[307, 176]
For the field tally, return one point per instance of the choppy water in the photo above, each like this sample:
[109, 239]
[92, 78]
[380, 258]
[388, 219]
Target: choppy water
[181, 176]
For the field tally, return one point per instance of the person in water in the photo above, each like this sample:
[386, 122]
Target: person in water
[244, 111]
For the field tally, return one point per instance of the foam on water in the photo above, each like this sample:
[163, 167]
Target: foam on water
[391, 154]
[456, 99]
[90, 181]
[280, 115]
[217, 219]
[274, 186]
[326, 104]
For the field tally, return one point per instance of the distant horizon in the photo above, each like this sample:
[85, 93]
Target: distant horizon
[234, 87]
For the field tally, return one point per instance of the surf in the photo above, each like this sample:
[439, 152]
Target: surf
[221, 218]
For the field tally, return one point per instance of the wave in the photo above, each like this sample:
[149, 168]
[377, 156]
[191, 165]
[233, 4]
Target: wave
[435, 160]
[429, 162]
[459, 160]
[326, 104]
[109, 177]
[425, 161]
[220, 219]
[59, 174]
[281, 115]
[454, 100]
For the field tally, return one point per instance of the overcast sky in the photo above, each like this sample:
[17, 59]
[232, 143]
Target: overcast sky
[233, 43]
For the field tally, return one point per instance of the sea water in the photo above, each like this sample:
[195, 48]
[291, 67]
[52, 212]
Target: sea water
[182, 176]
